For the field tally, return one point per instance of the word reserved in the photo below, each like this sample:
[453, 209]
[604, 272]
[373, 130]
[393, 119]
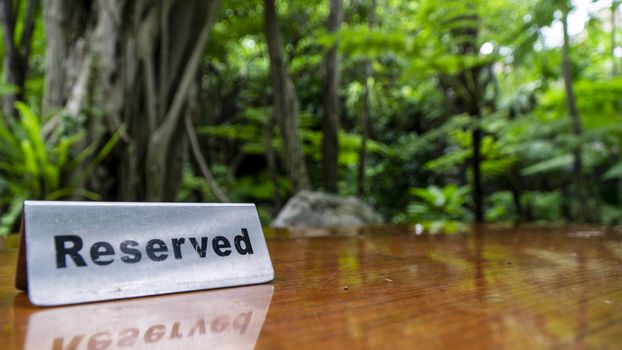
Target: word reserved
[77, 252]
[102, 252]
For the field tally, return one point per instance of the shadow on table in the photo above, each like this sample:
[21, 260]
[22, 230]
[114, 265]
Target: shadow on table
[225, 318]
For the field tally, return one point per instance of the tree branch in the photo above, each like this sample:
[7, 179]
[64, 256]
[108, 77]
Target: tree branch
[165, 9]
[29, 25]
[164, 132]
[198, 155]
[151, 94]
[8, 22]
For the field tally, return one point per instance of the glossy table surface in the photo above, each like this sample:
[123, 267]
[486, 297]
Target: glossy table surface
[376, 287]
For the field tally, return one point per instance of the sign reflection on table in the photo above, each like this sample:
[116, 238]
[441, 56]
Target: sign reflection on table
[226, 318]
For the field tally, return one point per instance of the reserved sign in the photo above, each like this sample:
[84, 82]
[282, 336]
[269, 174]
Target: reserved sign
[89, 251]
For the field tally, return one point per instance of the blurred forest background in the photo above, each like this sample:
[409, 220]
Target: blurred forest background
[452, 111]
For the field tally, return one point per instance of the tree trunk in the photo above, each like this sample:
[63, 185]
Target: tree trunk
[515, 188]
[478, 193]
[579, 210]
[16, 53]
[277, 203]
[365, 114]
[330, 123]
[162, 138]
[614, 61]
[112, 63]
[285, 102]
[614, 68]
[468, 94]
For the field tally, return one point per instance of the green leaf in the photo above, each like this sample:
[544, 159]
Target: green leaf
[613, 172]
[557, 163]
[62, 149]
[6, 89]
[30, 160]
[8, 218]
[52, 176]
[231, 131]
[431, 195]
[101, 155]
[498, 167]
[106, 149]
[66, 192]
[30, 122]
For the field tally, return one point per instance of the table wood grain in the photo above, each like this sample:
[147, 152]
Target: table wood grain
[372, 287]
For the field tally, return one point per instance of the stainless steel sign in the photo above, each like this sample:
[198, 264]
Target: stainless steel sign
[89, 251]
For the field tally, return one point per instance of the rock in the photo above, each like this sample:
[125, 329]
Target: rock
[319, 209]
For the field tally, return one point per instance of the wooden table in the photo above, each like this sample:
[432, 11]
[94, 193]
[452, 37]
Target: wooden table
[376, 287]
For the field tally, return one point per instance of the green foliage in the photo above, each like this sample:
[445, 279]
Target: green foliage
[430, 59]
[436, 203]
[544, 206]
[613, 172]
[560, 162]
[249, 133]
[500, 207]
[35, 167]
[360, 41]
[437, 209]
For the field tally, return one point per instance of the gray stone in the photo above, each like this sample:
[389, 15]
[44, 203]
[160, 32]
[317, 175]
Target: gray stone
[318, 209]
